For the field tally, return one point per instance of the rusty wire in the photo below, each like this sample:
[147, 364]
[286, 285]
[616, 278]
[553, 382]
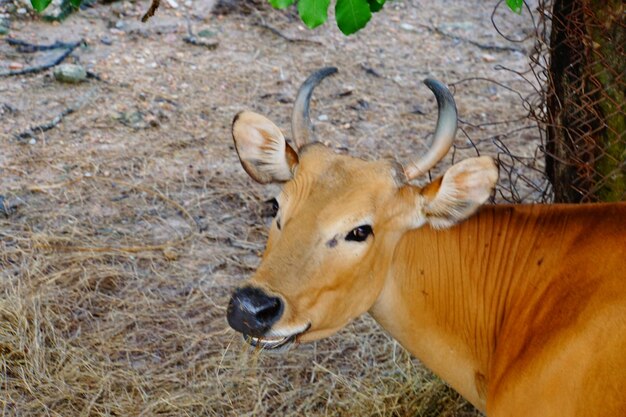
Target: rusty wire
[573, 161]
[523, 177]
[581, 104]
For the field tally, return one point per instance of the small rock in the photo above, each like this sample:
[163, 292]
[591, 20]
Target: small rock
[348, 90]
[170, 254]
[207, 43]
[251, 261]
[3, 30]
[407, 27]
[22, 10]
[322, 117]
[152, 120]
[134, 119]
[361, 104]
[417, 109]
[105, 40]
[70, 73]
[33, 141]
[206, 33]
[6, 108]
[15, 66]
[488, 58]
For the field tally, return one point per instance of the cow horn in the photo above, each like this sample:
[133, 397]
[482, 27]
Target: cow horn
[300, 122]
[444, 133]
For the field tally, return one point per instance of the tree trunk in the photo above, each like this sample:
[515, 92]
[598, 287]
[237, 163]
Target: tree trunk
[586, 146]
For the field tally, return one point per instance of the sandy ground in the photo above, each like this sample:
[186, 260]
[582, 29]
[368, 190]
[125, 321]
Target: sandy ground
[132, 219]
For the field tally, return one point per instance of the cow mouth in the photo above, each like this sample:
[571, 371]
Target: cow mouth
[276, 343]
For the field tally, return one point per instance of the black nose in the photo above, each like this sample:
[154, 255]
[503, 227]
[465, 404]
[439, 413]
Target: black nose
[253, 312]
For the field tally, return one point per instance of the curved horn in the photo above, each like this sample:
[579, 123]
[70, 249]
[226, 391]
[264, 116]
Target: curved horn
[444, 134]
[300, 121]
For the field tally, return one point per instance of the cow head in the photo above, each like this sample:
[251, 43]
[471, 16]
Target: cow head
[337, 221]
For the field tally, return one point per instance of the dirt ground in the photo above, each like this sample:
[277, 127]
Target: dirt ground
[129, 222]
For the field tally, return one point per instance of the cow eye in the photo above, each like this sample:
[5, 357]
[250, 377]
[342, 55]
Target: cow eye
[273, 207]
[360, 233]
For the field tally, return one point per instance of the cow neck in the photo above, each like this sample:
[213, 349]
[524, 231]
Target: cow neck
[449, 293]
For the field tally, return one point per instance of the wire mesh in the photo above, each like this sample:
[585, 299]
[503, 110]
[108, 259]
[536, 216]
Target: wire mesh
[582, 65]
[578, 76]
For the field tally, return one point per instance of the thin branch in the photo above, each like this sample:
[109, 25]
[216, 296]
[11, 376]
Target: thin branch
[39, 68]
[496, 48]
[209, 44]
[286, 37]
[153, 7]
[32, 131]
[27, 47]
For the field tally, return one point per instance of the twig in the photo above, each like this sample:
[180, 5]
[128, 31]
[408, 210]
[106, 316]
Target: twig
[496, 48]
[374, 73]
[153, 7]
[240, 244]
[93, 75]
[27, 47]
[30, 132]
[286, 37]
[495, 25]
[192, 40]
[370, 71]
[43, 67]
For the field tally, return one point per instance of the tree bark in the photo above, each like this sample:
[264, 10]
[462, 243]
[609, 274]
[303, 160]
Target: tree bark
[586, 146]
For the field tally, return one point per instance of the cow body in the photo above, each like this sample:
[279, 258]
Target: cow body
[522, 309]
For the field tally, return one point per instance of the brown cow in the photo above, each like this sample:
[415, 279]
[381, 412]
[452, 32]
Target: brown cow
[520, 308]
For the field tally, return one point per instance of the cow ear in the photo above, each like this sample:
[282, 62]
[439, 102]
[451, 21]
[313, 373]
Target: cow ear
[262, 149]
[460, 192]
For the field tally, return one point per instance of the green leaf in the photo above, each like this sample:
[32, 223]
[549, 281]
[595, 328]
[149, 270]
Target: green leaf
[281, 4]
[76, 3]
[352, 15]
[376, 5]
[515, 5]
[40, 5]
[313, 12]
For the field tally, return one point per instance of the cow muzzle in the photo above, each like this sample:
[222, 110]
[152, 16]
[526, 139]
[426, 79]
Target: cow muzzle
[253, 312]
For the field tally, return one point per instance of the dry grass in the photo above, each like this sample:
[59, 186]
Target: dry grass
[126, 331]
[125, 241]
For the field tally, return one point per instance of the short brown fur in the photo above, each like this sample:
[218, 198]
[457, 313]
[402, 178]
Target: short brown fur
[522, 309]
